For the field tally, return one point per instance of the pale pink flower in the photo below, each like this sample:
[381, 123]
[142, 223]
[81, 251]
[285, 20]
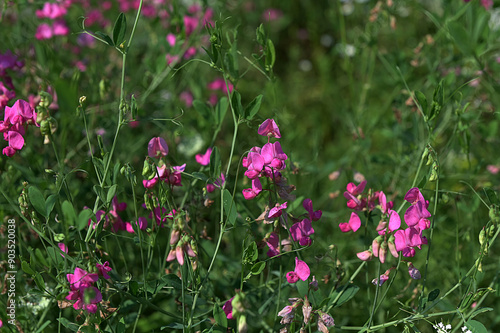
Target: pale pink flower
[157, 147]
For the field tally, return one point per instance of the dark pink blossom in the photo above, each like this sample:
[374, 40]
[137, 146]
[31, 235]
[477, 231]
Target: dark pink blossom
[103, 269]
[269, 128]
[251, 193]
[204, 159]
[353, 225]
[277, 210]
[314, 215]
[301, 231]
[157, 147]
[63, 248]
[228, 308]
[273, 244]
[301, 272]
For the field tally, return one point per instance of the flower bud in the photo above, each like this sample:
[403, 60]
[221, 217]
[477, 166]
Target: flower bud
[482, 236]
[242, 324]
[44, 127]
[414, 273]
[494, 214]
[45, 99]
[306, 311]
[314, 283]
[430, 159]
[491, 230]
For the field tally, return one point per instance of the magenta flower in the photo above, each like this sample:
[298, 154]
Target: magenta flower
[300, 232]
[301, 272]
[353, 225]
[63, 248]
[394, 223]
[407, 240]
[313, 215]
[228, 308]
[269, 128]
[418, 216]
[220, 84]
[273, 244]
[51, 11]
[157, 147]
[277, 210]
[103, 270]
[142, 224]
[16, 142]
[205, 158]
[44, 31]
[273, 156]
[171, 39]
[80, 277]
[251, 193]
[254, 163]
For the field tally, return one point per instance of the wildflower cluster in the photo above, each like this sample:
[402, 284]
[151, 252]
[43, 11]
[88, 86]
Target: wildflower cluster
[82, 290]
[391, 237]
[289, 312]
[13, 127]
[442, 328]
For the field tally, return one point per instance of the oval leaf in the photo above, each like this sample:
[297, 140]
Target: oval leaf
[37, 200]
[119, 29]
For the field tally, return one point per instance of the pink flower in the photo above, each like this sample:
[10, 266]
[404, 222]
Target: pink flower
[179, 251]
[63, 248]
[251, 193]
[313, 215]
[59, 28]
[157, 147]
[80, 277]
[381, 280]
[365, 255]
[171, 58]
[277, 210]
[142, 224]
[301, 272]
[353, 225]
[273, 155]
[300, 232]
[171, 39]
[44, 31]
[103, 269]
[205, 158]
[228, 308]
[493, 169]
[190, 24]
[407, 240]
[417, 216]
[51, 11]
[220, 84]
[254, 164]
[273, 244]
[269, 128]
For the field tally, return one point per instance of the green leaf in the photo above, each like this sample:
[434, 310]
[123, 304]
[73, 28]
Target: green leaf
[221, 110]
[475, 326]
[215, 164]
[258, 267]
[42, 327]
[236, 103]
[231, 65]
[200, 175]
[133, 107]
[119, 29]
[492, 196]
[41, 258]
[27, 268]
[348, 293]
[433, 295]
[461, 37]
[177, 326]
[111, 194]
[219, 316]
[172, 280]
[229, 207]
[69, 325]
[270, 55]
[68, 212]
[50, 203]
[479, 311]
[37, 200]
[133, 287]
[250, 254]
[83, 218]
[302, 287]
[422, 101]
[203, 109]
[261, 35]
[253, 108]
[39, 281]
[105, 38]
